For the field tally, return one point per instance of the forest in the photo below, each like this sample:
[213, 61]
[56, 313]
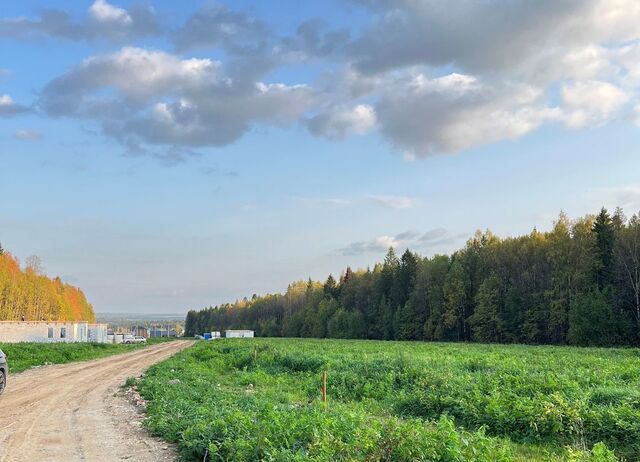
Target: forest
[577, 284]
[30, 295]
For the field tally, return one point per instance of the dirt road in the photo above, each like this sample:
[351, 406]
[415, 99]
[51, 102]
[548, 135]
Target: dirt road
[76, 412]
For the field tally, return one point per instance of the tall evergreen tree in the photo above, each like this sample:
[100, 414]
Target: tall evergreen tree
[406, 276]
[330, 287]
[605, 239]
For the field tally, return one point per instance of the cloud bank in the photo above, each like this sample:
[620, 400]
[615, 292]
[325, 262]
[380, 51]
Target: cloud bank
[103, 21]
[143, 97]
[426, 78]
[433, 240]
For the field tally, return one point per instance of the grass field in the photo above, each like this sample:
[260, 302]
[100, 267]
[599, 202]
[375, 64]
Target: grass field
[23, 356]
[260, 400]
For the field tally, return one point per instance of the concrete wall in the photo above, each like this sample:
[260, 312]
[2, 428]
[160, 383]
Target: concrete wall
[45, 331]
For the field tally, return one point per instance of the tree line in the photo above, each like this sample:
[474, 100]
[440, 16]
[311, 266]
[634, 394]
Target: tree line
[577, 284]
[30, 295]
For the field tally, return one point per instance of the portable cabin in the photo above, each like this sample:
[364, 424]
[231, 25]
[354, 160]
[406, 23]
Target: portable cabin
[240, 333]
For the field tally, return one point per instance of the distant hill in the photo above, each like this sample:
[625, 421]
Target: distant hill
[141, 317]
[31, 295]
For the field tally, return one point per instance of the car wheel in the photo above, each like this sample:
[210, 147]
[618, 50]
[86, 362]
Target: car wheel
[3, 382]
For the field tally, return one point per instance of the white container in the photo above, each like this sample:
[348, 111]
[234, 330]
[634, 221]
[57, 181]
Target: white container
[238, 334]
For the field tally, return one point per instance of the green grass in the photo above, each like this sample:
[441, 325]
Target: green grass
[23, 356]
[260, 400]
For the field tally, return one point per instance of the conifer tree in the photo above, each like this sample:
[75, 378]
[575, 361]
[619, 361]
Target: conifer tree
[605, 238]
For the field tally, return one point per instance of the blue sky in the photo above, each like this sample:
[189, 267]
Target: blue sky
[165, 157]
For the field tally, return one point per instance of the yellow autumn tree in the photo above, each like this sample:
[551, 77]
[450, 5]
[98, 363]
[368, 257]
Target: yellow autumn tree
[31, 295]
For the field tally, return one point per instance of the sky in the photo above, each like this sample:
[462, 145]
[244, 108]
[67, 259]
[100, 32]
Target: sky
[166, 156]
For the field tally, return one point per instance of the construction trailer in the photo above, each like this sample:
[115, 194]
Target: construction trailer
[214, 335]
[239, 333]
[52, 332]
[97, 333]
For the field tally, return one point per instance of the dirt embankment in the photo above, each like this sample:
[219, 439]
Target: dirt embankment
[74, 412]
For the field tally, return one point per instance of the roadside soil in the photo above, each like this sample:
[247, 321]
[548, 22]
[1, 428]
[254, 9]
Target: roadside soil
[78, 412]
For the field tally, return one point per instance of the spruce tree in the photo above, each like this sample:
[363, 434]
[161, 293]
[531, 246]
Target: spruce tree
[603, 228]
[330, 287]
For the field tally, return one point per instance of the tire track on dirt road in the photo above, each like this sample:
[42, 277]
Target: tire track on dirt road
[70, 412]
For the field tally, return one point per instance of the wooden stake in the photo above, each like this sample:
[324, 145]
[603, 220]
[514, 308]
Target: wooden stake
[324, 389]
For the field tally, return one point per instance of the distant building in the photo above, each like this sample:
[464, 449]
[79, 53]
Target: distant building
[140, 331]
[162, 332]
[52, 331]
[238, 333]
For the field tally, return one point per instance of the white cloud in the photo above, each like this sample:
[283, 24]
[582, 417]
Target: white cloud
[434, 240]
[104, 22]
[425, 116]
[102, 11]
[340, 121]
[509, 59]
[494, 35]
[587, 62]
[591, 102]
[153, 97]
[377, 245]
[9, 108]
[627, 60]
[137, 74]
[28, 135]
[392, 202]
